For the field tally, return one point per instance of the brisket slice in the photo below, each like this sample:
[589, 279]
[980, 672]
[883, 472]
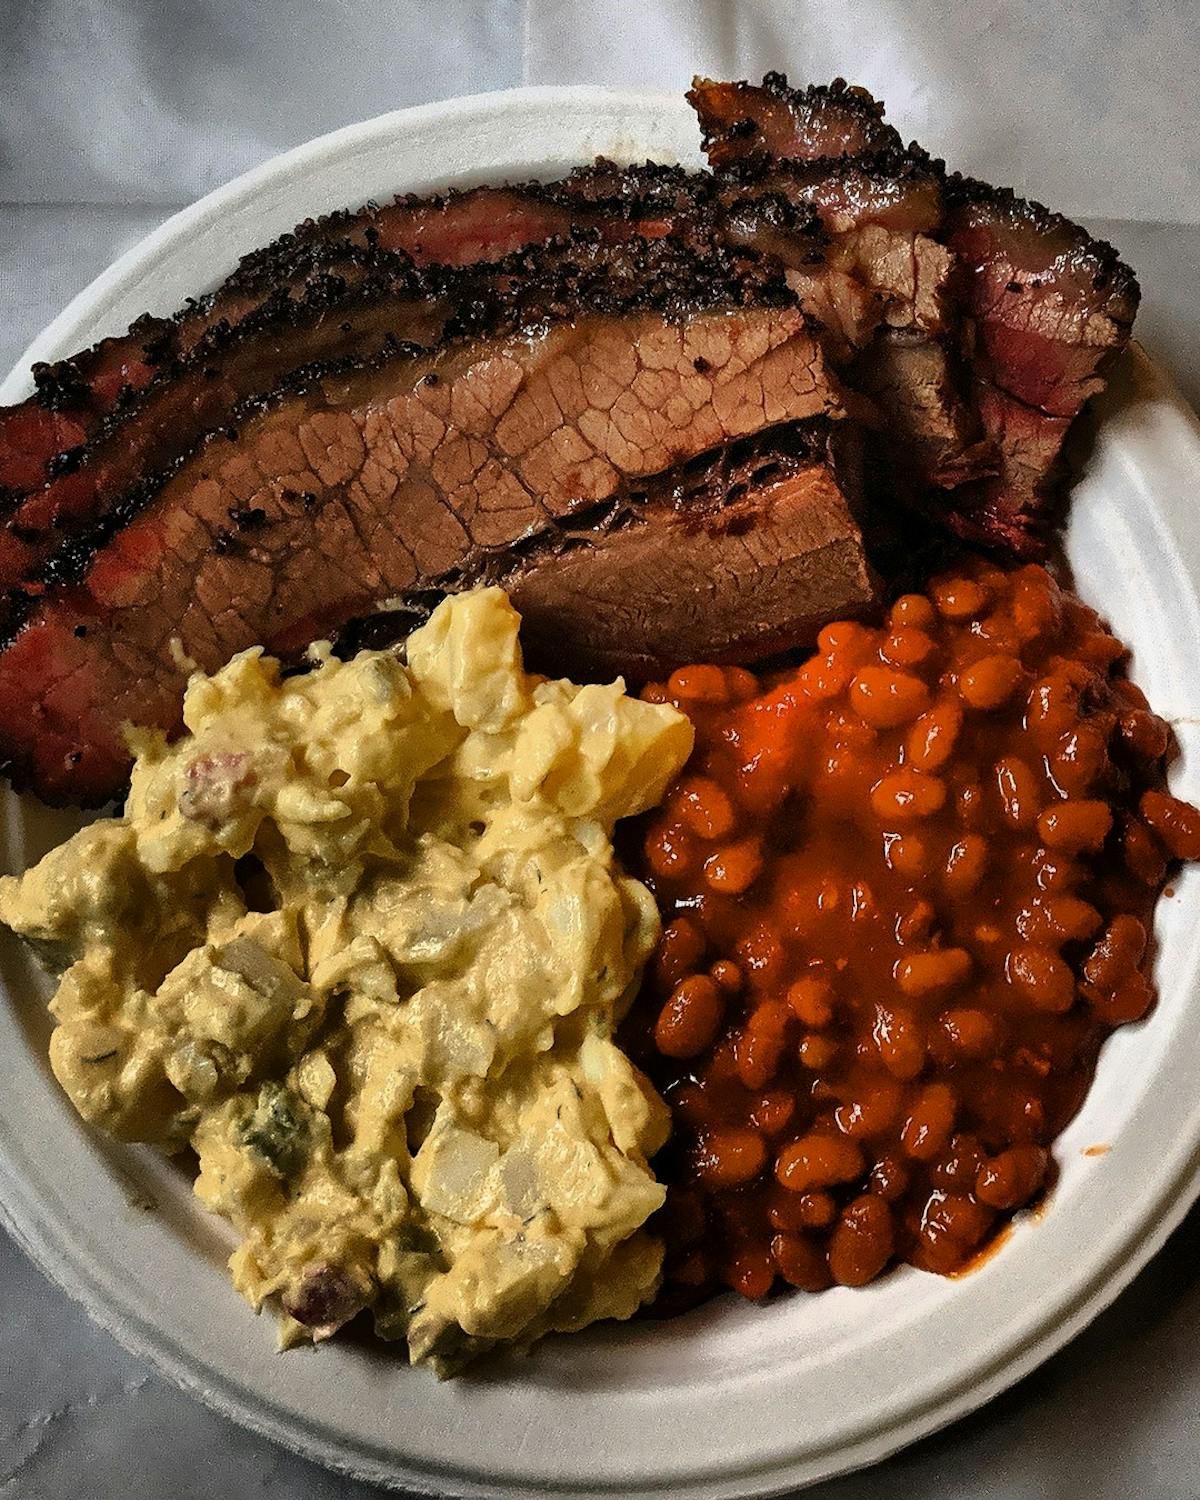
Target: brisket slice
[902, 338]
[867, 273]
[73, 397]
[741, 119]
[371, 303]
[1049, 307]
[772, 556]
[736, 556]
[366, 480]
[362, 297]
[855, 235]
[748, 208]
[980, 412]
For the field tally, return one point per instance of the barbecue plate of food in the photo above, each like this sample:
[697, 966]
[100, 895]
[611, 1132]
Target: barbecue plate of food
[764, 948]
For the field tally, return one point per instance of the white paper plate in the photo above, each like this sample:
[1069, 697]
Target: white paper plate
[732, 1399]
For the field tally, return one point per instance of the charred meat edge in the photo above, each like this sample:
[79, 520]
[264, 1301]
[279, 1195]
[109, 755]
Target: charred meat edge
[153, 343]
[656, 275]
[641, 195]
[1008, 510]
[739, 119]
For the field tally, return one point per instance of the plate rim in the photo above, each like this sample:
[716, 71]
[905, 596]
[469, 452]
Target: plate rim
[191, 1372]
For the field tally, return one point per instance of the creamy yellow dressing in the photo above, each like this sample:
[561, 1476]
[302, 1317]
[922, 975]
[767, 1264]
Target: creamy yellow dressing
[361, 941]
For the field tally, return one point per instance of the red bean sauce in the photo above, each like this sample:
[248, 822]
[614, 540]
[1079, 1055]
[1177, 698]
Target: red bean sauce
[907, 891]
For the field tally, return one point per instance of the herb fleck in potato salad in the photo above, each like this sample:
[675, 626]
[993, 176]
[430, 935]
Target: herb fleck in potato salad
[361, 941]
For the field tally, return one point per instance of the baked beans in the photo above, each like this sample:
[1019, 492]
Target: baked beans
[907, 890]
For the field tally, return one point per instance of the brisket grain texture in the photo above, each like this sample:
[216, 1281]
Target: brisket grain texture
[850, 237]
[371, 480]
[734, 556]
[741, 119]
[350, 295]
[358, 311]
[79, 398]
[74, 397]
[761, 571]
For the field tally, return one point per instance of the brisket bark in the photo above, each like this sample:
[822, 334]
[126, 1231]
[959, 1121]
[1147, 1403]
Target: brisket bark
[365, 306]
[75, 431]
[870, 267]
[361, 293]
[741, 119]
[461, 228]
[369, 479]
[1049, 308]
[73, 397]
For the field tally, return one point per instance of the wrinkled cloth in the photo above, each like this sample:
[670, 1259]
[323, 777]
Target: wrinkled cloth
[1089, 105]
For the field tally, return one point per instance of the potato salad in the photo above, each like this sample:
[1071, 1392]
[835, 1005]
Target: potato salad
[360, 940]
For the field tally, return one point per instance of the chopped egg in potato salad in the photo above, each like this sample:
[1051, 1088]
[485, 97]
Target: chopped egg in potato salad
[360, 940]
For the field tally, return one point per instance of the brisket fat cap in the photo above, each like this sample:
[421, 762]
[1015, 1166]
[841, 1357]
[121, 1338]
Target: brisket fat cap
[364, 481]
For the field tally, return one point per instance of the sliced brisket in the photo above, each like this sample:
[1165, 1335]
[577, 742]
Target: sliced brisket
[872, 269]
[1001, 315]
[891, 292]
[73, 397]
[882, 206]
[369, 479]
[621, 411]
[76, 398]
[883, 288]
[1049, 308]
[359, 293]
[368, 304]
[755, 560]
[740, 119]
[734, 556]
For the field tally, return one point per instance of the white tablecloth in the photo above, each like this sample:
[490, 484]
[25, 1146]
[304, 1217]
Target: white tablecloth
[115, 112]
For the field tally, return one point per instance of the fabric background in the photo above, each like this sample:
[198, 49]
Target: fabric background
[112, 115]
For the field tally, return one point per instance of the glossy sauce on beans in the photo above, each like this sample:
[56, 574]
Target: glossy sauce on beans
[907, 891]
